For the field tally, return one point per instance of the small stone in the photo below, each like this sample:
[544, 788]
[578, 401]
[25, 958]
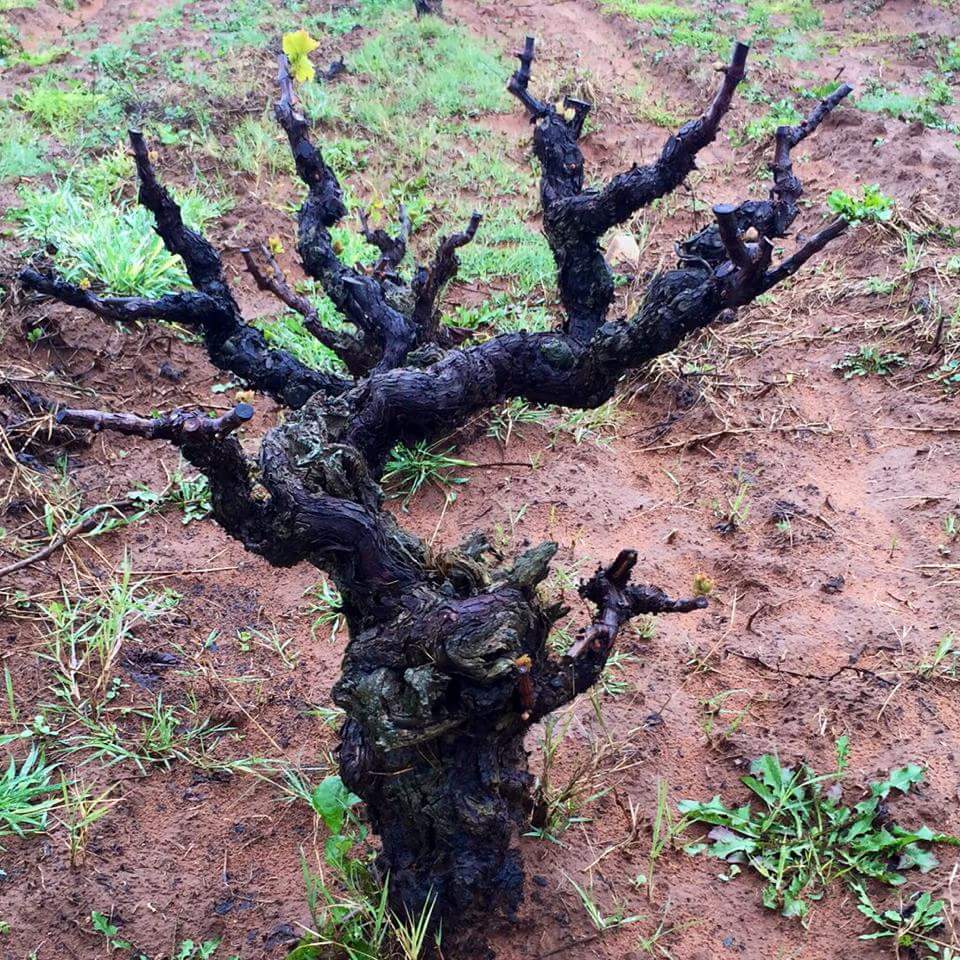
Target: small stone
[169, 372]
[623, 249]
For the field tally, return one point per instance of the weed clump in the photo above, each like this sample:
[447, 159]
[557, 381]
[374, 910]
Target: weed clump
[873, 207]
[802, 837]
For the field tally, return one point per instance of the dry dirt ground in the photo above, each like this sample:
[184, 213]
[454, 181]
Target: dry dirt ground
[831, 593]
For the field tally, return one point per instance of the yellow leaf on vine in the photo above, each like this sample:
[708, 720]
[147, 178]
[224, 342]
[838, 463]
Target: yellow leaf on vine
[299, 43]
[298, 46]
[301, 69]
[275, 244]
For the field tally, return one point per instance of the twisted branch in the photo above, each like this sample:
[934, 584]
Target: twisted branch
[281, 520]
[429, 283]
[179, 427]
[793, 263]
[773, 217]
[618, 601]
[232, 344]
[200, 258]
[392, 249]
[361, 299]
[593, 213]
[348, 348]
[189, 308]
[575, 219]
[519, 82]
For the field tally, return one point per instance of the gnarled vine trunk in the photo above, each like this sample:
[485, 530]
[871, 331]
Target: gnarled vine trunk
[439, 701]
[447, 664]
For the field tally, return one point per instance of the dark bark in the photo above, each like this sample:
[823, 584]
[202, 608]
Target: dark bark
[447, 664]
[424, 7]
[443, 767]
[773, 217]
[380, 305]
[575, 220]
[428, 283]
[392, 249]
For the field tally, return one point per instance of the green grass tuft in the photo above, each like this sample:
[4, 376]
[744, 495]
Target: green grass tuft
[69, 110]
[115, 246]
[21, 154]
[506, 249]
[670, 13]
[259, 147]
[902, 106]
[26, 795]
[410, 469]
[287, 332]
[445, 70]
[782, 113]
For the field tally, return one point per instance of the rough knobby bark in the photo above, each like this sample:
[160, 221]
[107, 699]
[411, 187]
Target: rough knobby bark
[448, 664]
